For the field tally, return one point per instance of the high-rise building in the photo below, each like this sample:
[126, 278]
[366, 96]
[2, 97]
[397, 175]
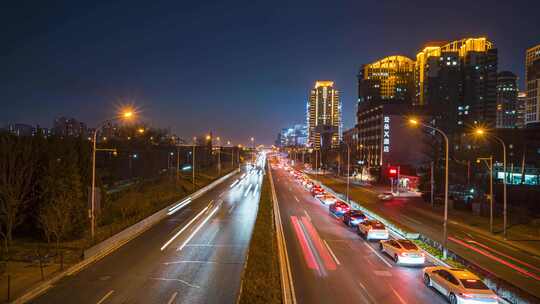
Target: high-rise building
[294, 136]
[458, 80]
[324, 116]
[532, 85]
[520, 110]
[390, 78]
[507, 100]
[64, 126]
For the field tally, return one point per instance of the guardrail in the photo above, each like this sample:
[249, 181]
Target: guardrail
[98, 251]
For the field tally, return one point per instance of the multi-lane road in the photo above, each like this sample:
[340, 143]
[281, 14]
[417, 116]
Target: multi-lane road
[330, 263]
[502, 257]
[196, 255]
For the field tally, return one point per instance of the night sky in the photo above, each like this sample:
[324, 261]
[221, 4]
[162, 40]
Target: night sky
[240, 69]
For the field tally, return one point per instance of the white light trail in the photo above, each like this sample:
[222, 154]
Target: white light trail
[179, 206]
[198, 228]
[183, 229]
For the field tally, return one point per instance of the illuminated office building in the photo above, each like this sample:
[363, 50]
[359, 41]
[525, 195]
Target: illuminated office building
[507, 100]
[324, 116]
[532, 85]
[458, 80]
[390, 78]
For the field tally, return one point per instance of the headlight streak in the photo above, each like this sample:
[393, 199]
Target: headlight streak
[234, 184]
[184, 228]
[198, 228]
[247, 191]
[179, 206]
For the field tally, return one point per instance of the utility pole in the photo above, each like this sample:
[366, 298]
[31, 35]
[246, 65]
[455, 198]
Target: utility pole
[432, 182]
[193, 163]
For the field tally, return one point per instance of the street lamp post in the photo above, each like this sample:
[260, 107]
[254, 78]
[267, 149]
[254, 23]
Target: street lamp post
[348, 169]
[193, 163]
[490, 168]
[219, 155]
[127, 115]
[253, 147]
[505, 210]
[445, 221]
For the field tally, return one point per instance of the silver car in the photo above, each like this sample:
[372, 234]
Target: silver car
[403, 252]
[459, 285]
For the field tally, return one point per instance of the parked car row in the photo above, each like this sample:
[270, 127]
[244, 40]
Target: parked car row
[457, 285]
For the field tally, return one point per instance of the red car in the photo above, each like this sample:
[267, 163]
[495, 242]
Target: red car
[317, 191]
[339, 208]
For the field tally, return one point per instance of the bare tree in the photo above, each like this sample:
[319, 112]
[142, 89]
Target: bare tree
[17, 167]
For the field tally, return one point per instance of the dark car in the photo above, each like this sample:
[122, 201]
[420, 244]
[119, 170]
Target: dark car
[339, 208]
[353, 217]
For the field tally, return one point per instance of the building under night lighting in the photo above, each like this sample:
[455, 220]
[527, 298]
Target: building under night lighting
[507, 100]
[324, 116]
[458, 80]
[532, 83]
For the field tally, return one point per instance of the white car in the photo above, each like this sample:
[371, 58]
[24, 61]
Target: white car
[372, 230]
[328, 199]
[403, 252]
[459, 285]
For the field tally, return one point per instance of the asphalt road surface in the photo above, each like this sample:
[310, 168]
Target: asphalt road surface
[195, 255]
[330, 263]
[509, 262]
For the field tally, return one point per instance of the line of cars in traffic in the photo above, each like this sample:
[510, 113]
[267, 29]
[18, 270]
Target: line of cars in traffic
[457, 285]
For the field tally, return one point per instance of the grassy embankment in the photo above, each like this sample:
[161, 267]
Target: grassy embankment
[261, 280]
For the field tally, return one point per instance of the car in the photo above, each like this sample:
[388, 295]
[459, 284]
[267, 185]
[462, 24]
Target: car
[385, 196]
[328, 199]
[309, 185]
[317, 191]
[338, 208]
[403, 252]
[353, 217]
[458, 285]
[372, 230]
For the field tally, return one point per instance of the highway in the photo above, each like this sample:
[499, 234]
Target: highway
[500, 257]
[196, 255]
[330, 263]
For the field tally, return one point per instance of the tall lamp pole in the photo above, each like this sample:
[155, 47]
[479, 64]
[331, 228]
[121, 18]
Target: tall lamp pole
[348, 168]
[489, 163]
[482, 132]
[445, 221]
[219, 155]
[127, 114]
[193, 162]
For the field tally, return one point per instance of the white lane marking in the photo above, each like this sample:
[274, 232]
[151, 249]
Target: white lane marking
[176, 280]
[173, 296]
[247, 191]
[411, 219]
[307, 215]
[198, 228]
[296, 198]
[105, 297]
[398, 296]
[380, 257]
[331, 252]
[184, 228]
[221, 194]
[366, 292]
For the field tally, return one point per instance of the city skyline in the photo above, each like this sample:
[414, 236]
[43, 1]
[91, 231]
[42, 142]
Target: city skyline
[164, 75]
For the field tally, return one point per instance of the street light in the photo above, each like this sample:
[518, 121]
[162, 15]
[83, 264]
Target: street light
[482, 132]
[415, 122]
[126, 115]
[348, 168]
[253, 147]
[219, 155]
[489, 163]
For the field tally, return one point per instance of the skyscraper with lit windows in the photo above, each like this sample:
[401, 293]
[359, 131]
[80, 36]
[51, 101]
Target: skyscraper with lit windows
[324, 116]
[532, 85]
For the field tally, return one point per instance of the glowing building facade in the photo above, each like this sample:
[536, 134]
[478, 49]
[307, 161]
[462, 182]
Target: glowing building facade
[324, 116]
[458, 80]
[532, 85]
